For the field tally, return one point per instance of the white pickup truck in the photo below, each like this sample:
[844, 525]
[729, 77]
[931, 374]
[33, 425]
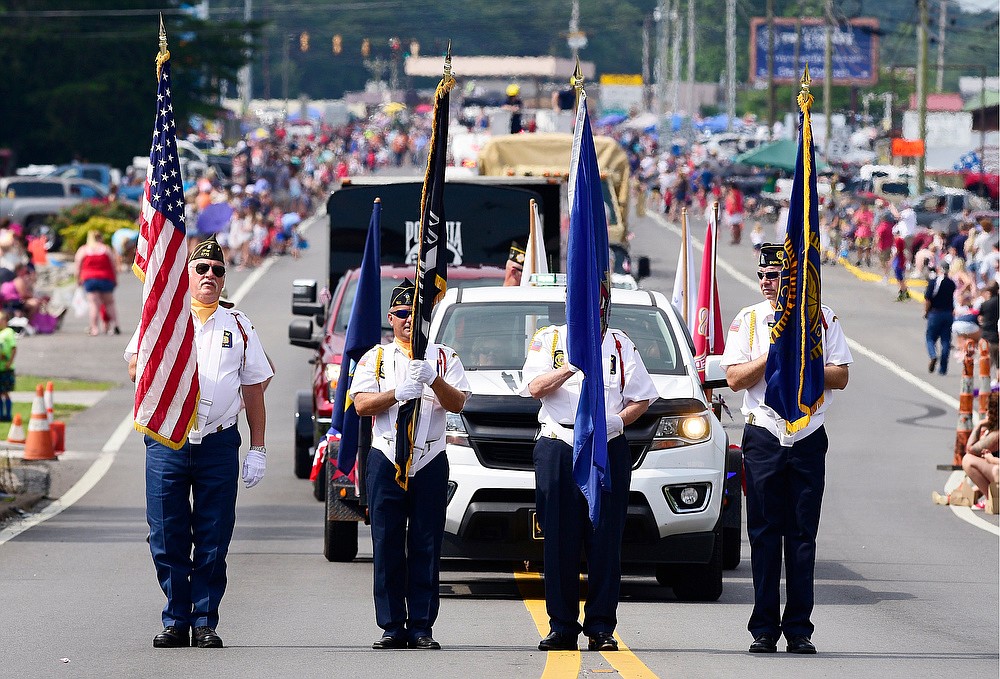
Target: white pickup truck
[685, 506]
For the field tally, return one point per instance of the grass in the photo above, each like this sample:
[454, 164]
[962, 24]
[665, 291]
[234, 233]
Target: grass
[28, 383]
[60, 411]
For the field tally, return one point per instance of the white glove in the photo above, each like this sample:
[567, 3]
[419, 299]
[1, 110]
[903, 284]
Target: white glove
[572, 368]
[421, 371]
[615, 424]
[409, 390]
[253, 467]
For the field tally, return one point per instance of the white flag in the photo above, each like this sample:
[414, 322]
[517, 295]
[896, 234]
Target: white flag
[686, 291]
[534, 254]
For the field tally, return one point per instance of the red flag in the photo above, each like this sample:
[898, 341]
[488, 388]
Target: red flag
[709, 339]
[166, 385]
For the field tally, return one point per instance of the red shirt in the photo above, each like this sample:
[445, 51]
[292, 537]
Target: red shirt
[883, 235]
[97, 266]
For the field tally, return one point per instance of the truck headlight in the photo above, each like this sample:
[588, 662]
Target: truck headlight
[681, 430]
[454, 430]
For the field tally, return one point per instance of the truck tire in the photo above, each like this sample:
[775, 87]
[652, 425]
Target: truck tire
[340, 540]
[303, 434]
[319, 485]
[731, 548]
[696, 582]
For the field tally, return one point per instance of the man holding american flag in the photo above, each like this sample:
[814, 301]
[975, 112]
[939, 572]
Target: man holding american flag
[196, 363]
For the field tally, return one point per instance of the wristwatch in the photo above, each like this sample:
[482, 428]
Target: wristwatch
[260, 449]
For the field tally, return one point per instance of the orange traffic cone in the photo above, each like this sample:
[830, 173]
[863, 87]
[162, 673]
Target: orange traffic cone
[16, 433]
[38, 443]
[49, 411]
[963, 428]
[983, 383]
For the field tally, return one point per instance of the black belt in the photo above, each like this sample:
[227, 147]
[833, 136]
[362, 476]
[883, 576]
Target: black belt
[565, 426]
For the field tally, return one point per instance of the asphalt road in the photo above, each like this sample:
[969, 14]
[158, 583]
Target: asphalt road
[904, 588]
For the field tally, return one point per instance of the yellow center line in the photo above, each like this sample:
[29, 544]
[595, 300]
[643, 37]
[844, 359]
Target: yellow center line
[562, 664]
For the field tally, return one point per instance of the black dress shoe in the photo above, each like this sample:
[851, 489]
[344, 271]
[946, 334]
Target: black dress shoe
[172, 636]
[558, 641]
[765, 643]
[389, 642]
[205, 637]
[425, 643]
[603, 641]
[801, 645]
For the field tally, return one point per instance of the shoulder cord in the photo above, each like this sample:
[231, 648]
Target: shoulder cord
[621, 364]
[442, 362]
[753, 326]
[378, 365]
[246, 339]
[555, 343]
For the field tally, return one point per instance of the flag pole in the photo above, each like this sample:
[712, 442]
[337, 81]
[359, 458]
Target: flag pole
[532, 236]
[684, 261]
[163, 54]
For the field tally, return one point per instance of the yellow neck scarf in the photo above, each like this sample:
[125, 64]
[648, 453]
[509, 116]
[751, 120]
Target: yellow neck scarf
[203, 311]
[405, 346]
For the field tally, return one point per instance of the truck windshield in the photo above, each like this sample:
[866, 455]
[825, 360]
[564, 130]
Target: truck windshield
[344, 311]
[31, 189]
[495, 336]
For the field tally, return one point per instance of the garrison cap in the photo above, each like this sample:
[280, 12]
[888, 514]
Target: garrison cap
[208, 249]
[516, 254]
[771, 255]
[402, 294]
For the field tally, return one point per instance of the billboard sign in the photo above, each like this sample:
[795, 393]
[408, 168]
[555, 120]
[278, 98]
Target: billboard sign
[855, 50]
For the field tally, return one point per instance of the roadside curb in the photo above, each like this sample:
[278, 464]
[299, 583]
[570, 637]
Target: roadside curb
[22, 504]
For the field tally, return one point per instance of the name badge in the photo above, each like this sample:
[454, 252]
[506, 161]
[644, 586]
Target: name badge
[227, 339]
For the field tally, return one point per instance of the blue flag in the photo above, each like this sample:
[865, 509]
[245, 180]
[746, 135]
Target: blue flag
[588, 284]
[364, 330]
[794, 371]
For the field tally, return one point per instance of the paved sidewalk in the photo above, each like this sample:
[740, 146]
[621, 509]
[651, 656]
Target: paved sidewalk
[84, 398]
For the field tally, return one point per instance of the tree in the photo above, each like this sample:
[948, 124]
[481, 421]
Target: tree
[79, 76]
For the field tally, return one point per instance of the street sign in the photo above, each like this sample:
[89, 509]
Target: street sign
[855, 50]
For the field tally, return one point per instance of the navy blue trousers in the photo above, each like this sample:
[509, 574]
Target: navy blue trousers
[939, 330]
[407, 532]
[191, 511]
[562, 513]
[784, 495]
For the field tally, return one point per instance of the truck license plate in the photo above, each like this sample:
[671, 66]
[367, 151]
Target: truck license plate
[536, 528]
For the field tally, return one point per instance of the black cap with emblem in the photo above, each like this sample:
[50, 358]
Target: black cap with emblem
[516, 254]
[771, 255]
[402, 294]
[208, 249]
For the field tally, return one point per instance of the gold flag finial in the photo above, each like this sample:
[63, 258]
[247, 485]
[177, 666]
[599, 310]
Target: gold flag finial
[164, 53]
[447, 80]
[578, 77]
[805, 99]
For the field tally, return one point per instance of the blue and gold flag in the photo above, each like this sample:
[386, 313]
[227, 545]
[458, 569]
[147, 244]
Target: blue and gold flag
[588, 293]
[431, 279]
[794, 371]
[364, 330]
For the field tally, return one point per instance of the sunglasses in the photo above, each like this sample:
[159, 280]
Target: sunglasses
[201, 269]
[769, 275]
[401, 314]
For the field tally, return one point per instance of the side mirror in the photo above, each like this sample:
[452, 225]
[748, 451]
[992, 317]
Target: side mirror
[643, 271]
[300, 334]
[715, 376]
[304, 303]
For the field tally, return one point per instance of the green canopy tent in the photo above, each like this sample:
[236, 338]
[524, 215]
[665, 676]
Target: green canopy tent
[778, 154]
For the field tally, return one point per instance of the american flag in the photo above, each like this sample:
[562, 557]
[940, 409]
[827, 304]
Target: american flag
[166, 392]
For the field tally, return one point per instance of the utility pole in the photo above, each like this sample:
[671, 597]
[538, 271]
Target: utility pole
[770, 70]
[692, 108]
[942, 24]
[828, 78]
[246, 75]
[285, 38]
[646, 93]
[730, 63]
[922, 91]
[675, 58]
[576, 39]
[662, 49]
